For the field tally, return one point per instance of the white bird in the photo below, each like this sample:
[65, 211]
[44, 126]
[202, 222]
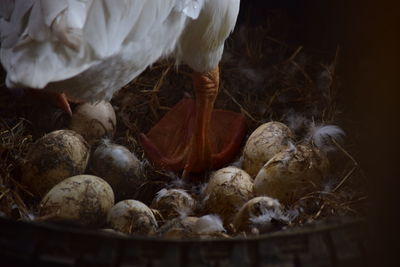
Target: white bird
[88, 49]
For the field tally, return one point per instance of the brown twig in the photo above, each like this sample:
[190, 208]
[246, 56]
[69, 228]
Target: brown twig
[5, 192]
[347, 176]
[242, 109]
[294, 55]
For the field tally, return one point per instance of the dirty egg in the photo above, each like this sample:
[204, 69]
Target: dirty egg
[94, 121]
[132, 217]
[291, 174]
[53, 158]
[228, 189]
[267, 140]
[83, 198]
[173, 203]
[119, 167]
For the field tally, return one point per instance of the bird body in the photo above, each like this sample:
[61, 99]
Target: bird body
[85, 50]
[89, 49]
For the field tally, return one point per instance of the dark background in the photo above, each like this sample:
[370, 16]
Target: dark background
[368, 35]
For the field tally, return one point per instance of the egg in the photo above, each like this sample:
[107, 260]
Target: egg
[255, 208]
[291, 174]
[267, 140]
[173, 203]
[112, 232]
[83, 198]
[53, 158]
[94, 121]
[228, 189]
[119, 167]
[209, 226]
[132, 217]
[179, 228]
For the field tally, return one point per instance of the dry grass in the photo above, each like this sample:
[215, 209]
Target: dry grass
[262, 77]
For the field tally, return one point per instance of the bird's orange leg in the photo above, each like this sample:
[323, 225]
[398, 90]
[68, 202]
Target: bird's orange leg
[199, 153]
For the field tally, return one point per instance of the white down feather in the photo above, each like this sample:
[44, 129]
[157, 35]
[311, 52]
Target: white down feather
[91, 48]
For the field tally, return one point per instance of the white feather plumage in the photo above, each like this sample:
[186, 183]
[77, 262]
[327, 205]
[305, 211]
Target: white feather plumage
[209, 224]
[167, 192]
[89, 49]
[296, 121]
[263, 221]
[322, 136]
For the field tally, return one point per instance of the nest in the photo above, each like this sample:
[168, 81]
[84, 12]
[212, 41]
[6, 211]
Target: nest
[262, 77]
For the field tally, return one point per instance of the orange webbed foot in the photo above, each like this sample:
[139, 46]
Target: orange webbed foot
[192, 136]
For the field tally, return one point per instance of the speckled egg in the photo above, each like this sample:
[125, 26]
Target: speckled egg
[291, 174]
[255, 208]
[132, 217]
[83, 198]
[267, 140]
[228, 189]
[94, 121]
[119, 167]
[173, 203]
[53, 158]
